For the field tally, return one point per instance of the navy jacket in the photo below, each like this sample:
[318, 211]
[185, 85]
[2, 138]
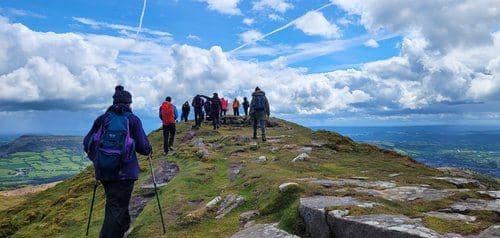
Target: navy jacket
[141, 142]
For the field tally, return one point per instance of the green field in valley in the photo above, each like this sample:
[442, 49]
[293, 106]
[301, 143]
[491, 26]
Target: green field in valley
[24, 168]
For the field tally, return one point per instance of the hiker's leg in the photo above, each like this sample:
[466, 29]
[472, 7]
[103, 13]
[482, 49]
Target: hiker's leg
[255, 121]
[172, 135]
[165, 139]
[117, 217]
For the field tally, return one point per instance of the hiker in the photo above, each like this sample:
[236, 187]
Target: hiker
[197, 104]
[236, 107]
[215, 109]
[259, 111]
[246, 105]
[223, 104]
[185, 111]
[168, 116]
[111, 145]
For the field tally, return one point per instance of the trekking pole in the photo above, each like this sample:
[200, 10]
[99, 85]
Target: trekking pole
[91, 208]
[156, 193]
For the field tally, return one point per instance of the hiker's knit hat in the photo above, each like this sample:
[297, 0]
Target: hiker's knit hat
[121, 96]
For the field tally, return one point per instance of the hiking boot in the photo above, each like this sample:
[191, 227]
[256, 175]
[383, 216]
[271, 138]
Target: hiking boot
[254, 136]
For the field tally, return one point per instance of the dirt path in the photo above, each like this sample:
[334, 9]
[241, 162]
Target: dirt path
[27, 190]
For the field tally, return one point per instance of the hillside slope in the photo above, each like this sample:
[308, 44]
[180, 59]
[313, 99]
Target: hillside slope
[246, 175]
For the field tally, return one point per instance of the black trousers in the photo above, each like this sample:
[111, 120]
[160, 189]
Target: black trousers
[215, 120]
[198, 117]
[246, 110]
[116, 215]
[168, 136]
[236, 111]
[184, 116]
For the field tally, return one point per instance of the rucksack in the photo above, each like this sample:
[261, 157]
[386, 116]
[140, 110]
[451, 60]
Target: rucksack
[167, 113]
[198, 102]
[259, 103]
[113, 146]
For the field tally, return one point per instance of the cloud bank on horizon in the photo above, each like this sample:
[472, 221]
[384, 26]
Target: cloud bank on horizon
[448, 56]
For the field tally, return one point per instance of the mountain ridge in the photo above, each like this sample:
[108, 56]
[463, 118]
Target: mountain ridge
[225, 182]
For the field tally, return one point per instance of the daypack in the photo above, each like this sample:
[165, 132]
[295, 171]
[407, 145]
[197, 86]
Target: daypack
[259, 103]
[113, 146]
[167, 113]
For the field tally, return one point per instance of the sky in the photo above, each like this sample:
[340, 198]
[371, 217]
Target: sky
[320, 62]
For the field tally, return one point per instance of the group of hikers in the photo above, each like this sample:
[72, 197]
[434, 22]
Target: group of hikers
[117, 135]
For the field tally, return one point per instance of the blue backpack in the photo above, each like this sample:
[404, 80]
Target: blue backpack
[112, 146]
[259, 103]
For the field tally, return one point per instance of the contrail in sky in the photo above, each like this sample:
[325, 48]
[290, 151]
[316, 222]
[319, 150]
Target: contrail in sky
[277, 30]
[140, 20]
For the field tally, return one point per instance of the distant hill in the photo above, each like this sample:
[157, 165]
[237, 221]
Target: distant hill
[40, 143]
[39, 159]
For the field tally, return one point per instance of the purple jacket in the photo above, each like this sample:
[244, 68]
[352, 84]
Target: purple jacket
[141, 142]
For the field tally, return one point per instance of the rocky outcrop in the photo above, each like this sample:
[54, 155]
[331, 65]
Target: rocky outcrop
[408, 193]
[263, 231]
[301, 157]
[229, 203]
[286, 186]
[354, 182]
[313, 212]
[492, 194]
[234, 170]
[378, 226]
[491, 232]
[460, 182]
[477, 205]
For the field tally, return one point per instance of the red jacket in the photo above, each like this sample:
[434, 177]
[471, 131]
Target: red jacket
[223, 104]
[167, 113]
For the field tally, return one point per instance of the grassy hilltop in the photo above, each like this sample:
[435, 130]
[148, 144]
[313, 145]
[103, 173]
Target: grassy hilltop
[205, 159]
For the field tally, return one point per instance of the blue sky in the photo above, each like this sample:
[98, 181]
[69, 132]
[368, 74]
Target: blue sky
[351, 63]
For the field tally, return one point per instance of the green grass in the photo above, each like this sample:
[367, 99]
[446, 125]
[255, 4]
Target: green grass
[61, 211]
[24, 168]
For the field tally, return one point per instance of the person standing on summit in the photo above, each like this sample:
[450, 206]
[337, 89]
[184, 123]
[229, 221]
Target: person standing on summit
[185, 111]
[215, 109]
[259, 111]
[223, 103]
[111, 145]
[246, 105]
[168, 116]
[198, 104]
[236, 107]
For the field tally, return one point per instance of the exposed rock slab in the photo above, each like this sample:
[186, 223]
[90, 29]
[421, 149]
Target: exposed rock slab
[355, 182]
[491, 232]
[248, 215]
[492, 194]
[460, 182]
[408, 193]
[477, 205]
[379, 226]
[229, 203]
[234, 170]
[263, 230]
[312, 211]
[301, 157]
[451, 216]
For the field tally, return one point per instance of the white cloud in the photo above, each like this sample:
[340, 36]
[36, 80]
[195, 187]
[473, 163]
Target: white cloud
[229, 7]
[250, 36]
[372, 43]
[276, 5]
[314, 23]
[21, 13]
[275, 17]
[193, 37]
[248, 21]
[125, 30]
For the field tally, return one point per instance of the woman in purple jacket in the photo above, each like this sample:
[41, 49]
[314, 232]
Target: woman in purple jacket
[118, 182]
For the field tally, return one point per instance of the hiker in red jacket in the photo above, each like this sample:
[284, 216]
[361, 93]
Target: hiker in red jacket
[223, 104]
[168, 116]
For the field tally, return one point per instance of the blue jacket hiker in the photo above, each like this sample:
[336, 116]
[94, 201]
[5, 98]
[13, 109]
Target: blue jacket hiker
[111, 145]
